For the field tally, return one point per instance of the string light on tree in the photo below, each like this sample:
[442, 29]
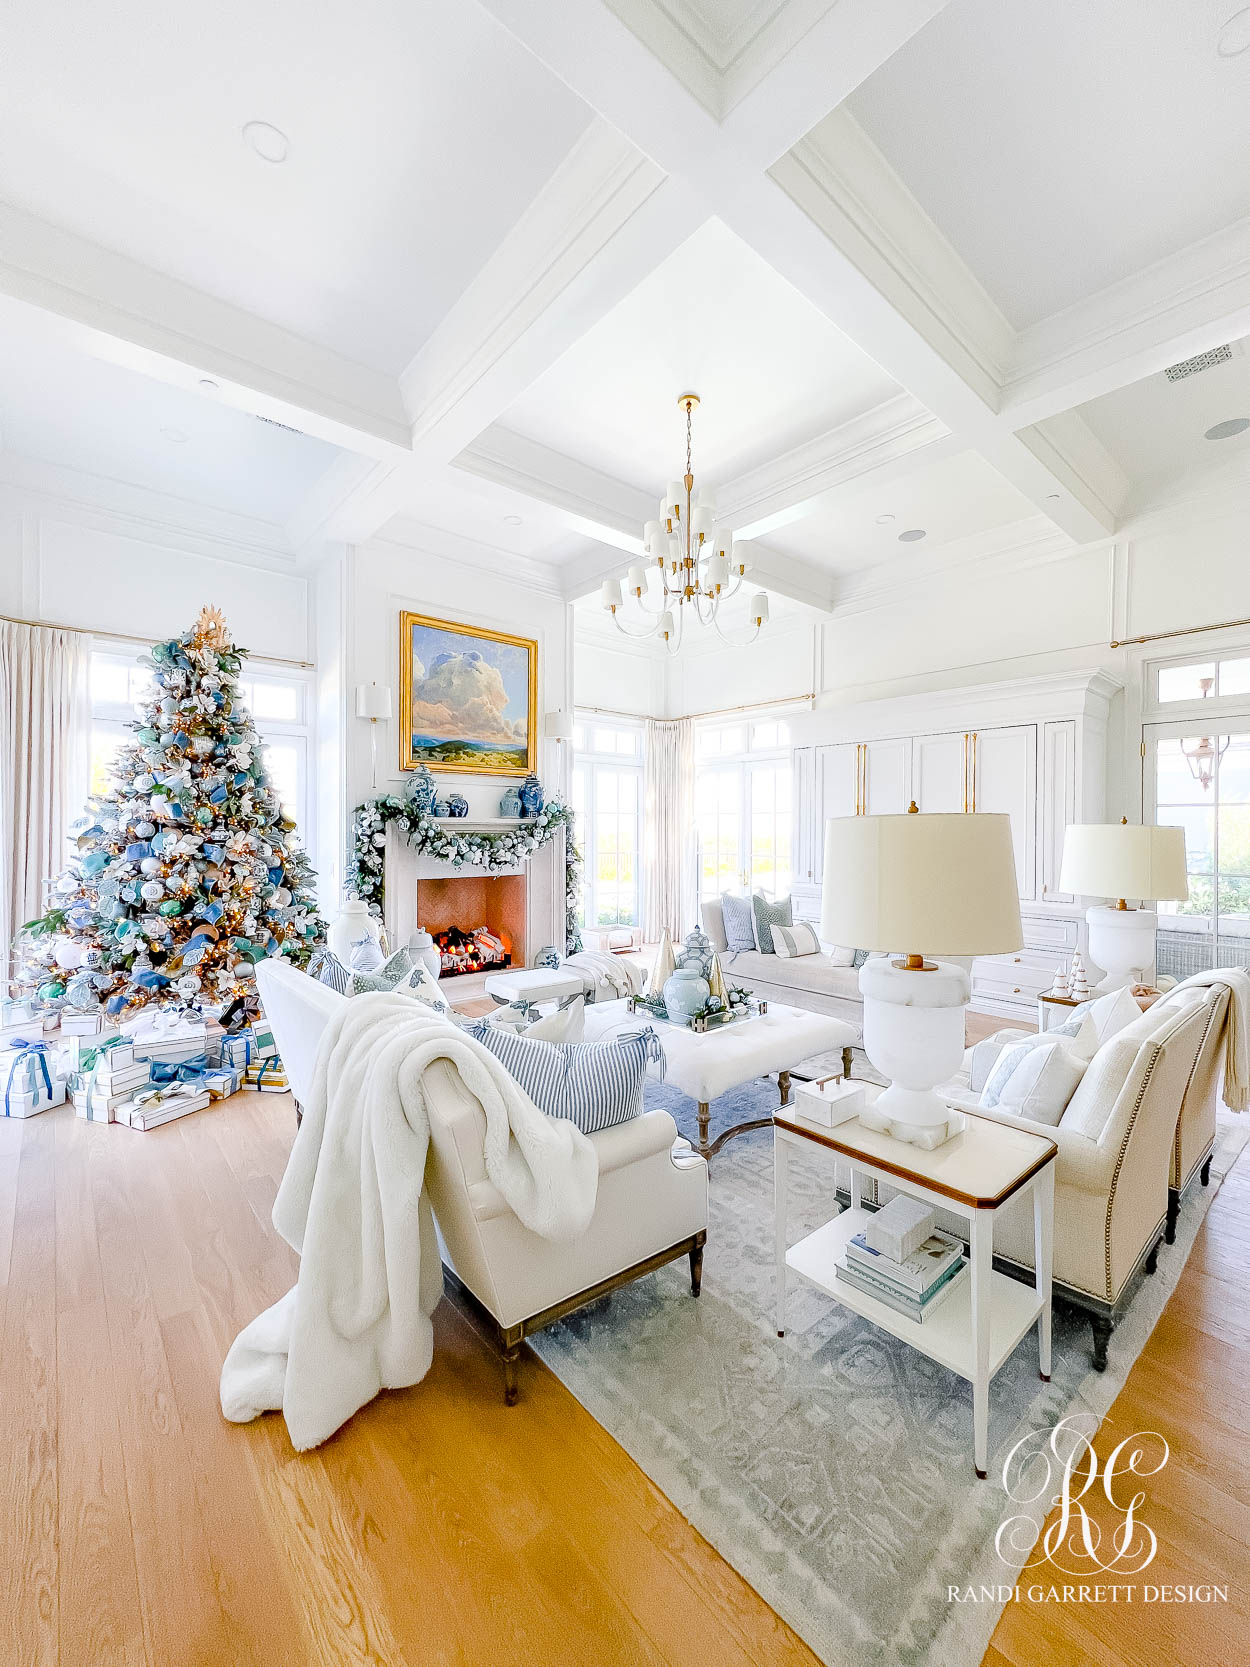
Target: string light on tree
[185, 871]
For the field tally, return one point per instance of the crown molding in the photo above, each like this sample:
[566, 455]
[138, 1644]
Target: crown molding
[141, 512]
[899, 431]
[1193, 300]
[844, 183]
[178, 334]
[416, 538]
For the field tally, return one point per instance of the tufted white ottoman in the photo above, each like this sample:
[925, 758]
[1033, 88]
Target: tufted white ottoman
[527, 986]
[708, 1065]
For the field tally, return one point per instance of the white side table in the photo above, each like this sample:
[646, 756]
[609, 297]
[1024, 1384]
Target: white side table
[973, 1175]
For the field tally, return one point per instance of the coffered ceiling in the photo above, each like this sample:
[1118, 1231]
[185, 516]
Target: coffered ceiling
[920, 258]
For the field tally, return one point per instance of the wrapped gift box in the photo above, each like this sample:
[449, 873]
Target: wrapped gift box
[266, 1075]
[153, 1107]
[15, 1010]
[221, 1084]
[263, 1044]
[30, 1083]
[236, 1052]
[83, 1024]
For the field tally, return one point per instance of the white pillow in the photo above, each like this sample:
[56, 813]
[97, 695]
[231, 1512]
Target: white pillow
[1035, 1081]
[1112, 1012]
[566, 1024]
[421, 987]
[792, 941]
[839, 957]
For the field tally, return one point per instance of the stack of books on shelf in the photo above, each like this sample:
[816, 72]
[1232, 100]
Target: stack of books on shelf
[914, 1284]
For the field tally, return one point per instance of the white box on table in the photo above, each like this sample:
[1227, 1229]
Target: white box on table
[830, 1101]
[900, 1227]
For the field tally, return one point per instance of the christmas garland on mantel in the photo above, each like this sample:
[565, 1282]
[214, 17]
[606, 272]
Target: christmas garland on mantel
[491, 851]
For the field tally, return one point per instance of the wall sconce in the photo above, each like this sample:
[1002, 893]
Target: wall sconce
[558, 726]
[373, 701]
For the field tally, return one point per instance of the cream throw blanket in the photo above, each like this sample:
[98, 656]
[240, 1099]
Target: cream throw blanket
[352, 1203]
[1237, 1035]
[620, 974]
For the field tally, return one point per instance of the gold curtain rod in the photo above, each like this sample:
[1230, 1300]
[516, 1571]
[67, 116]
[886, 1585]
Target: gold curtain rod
[119, 636]
[719, 712]
[1190, 631]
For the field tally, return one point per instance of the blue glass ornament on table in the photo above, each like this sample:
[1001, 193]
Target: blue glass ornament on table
[457, 805]
[531, 795]
[510, 804]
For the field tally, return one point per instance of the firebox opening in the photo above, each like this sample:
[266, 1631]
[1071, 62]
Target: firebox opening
[477, 922]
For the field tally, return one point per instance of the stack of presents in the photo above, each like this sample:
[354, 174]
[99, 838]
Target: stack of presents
[161, 1064]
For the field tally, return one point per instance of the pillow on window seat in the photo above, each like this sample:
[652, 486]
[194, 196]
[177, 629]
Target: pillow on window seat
[739, 922]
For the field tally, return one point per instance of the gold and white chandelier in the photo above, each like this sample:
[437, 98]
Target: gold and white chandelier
[696, 564]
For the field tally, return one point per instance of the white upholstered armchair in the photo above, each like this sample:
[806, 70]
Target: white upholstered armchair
[651, 1206]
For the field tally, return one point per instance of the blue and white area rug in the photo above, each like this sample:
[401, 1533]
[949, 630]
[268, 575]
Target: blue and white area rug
[833, 1468]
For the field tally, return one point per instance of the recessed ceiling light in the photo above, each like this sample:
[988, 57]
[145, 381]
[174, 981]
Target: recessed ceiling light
[1053, 497]
[884, 520]
[208, 386]
[1234, 37]
[512, 520]
[1226, 430]
[177, 435]
[270, 143]
[912, 535]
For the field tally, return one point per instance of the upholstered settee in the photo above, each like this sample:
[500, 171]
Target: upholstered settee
[817, 983]
[1143, 1111]
[651, 1206]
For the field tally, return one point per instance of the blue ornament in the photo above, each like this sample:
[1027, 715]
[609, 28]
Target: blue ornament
[95, 862]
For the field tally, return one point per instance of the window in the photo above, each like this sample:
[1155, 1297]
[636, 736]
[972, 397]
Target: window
[743, 810]
[277, 700]
[607, 799]
[1219, 678]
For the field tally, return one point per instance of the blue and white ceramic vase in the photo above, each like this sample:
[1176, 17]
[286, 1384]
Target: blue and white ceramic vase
[423, 949]
[421, 793]
[531, 795]
[685, 994]
[457, 804]
[697, 952]
[510, 804]
[440, 808]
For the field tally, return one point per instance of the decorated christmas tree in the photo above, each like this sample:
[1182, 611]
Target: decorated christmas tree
[186, 871]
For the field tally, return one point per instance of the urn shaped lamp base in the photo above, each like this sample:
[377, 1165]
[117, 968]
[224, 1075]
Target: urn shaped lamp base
[914, 1035]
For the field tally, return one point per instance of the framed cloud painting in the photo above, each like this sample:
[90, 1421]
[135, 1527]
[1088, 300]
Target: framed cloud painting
[467, 698]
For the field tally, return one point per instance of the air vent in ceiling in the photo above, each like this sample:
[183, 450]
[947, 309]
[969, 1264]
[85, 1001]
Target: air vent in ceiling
[1200, 361]
[286, 427]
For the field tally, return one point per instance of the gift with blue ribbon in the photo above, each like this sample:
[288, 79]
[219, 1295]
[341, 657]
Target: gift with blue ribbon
[31, 1060]
[185, 1070]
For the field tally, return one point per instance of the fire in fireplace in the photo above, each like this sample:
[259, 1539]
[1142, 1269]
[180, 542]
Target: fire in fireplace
[471, 951]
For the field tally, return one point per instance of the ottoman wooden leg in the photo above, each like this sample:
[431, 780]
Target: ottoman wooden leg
[705, 1123]
[783, 1087]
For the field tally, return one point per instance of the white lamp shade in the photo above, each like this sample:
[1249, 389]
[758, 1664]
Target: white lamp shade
[702, 520]
[611, 593]
[1121, 859]
[716, 571]
[637, 577]
[936, 885]
[559, 726]
[676, 495]
[373, 700]
[759, 607]
[651, 538]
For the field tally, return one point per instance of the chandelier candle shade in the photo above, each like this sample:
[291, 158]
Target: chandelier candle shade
[697, 566]
[1122, 860]
[923, 885]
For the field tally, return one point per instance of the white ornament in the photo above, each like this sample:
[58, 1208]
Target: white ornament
[69, 954]
[150, 865]
[151, 891]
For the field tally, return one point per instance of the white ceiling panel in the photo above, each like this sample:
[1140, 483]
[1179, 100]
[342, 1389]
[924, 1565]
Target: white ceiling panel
[418, 131]
[714, 318]
[60, 406]
[478, 509]
[1062, 145]
[1156, 429]
[957, 498]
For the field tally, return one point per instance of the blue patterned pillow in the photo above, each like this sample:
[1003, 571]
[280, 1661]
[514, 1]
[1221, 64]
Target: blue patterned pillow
[593, 1084]
[861, 955]
[766, 915]
[739, 922]
[385, 978]
[326, 968]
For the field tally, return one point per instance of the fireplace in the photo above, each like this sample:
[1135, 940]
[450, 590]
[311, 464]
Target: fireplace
[477, 921]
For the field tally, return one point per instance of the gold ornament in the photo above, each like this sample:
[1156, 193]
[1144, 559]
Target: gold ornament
[210, 629]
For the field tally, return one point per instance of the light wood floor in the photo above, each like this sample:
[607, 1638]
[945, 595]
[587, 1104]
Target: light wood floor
[136, 1526]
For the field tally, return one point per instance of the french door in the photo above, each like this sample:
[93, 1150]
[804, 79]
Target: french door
[1198, 778]
[744, 816]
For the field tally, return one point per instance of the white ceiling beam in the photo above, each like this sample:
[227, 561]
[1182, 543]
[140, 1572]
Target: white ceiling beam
[585, 494]
[823, 66]
[606, 217]
[1194, 300]
[113, 308]
[938, 335]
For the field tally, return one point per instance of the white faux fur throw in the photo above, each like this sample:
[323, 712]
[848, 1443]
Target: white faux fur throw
[605, 971]
[1237, 1034]
[352, 1203]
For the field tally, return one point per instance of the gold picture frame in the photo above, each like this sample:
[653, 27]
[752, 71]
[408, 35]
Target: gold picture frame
[502, 673]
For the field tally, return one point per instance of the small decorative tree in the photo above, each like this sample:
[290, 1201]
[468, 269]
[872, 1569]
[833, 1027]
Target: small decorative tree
[186, 872]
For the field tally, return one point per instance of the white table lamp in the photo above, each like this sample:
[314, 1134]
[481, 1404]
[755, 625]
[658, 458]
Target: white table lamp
[917, 885]
[373, 701]
[1122, 860]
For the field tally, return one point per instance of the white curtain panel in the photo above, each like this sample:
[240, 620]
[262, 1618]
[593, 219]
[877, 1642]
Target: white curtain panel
[45, 719]
[669, 834]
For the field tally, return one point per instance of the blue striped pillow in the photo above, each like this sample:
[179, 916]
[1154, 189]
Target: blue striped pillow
[326, 968]
[593, 1084]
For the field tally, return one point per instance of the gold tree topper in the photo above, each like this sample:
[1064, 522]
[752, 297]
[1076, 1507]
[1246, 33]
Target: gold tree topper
[210, 628]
